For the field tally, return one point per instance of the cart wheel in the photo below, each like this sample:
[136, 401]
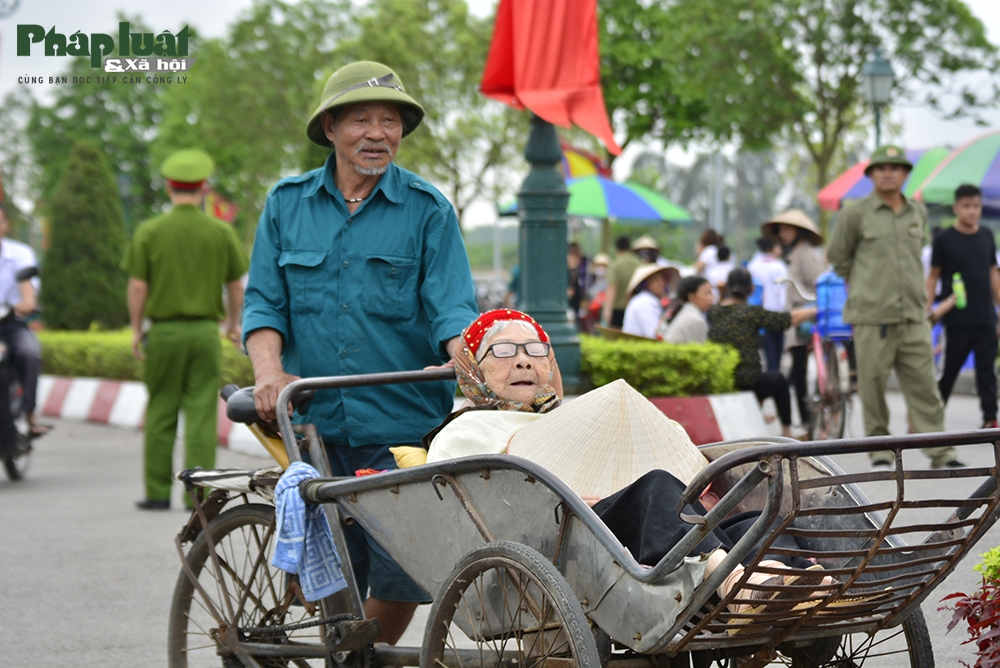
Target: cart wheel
[251, 594]
[504, 604]
[830, 409]
[904, 646]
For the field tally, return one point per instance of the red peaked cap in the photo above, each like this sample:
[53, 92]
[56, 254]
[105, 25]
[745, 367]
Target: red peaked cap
[473, 334]
[185, 185]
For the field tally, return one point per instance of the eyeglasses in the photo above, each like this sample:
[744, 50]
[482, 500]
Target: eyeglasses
[507, 350]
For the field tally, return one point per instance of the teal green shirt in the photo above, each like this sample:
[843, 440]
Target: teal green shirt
[382, 289]
[185, 256]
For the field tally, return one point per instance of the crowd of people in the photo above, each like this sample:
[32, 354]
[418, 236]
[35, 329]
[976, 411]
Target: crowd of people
[898, 287]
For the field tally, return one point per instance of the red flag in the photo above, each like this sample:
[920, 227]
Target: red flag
[544, 56]
[219, 207]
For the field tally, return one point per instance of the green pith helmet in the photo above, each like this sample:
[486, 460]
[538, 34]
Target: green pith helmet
[888, 155]
[188, 166]
[364, 81]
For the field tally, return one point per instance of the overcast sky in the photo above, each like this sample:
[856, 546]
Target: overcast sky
[921, 128]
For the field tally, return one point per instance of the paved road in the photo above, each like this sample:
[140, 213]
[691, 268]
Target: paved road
[87, 579]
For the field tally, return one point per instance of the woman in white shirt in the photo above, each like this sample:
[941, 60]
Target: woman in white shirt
[645, 309]
[707, 250]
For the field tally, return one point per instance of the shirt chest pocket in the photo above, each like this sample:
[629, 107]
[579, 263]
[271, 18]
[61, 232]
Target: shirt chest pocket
[874, 231]
[391, 287]
[304, 277]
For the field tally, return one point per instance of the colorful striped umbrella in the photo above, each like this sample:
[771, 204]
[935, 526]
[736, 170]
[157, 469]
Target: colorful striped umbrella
[630, 203]
[976, 163]
[853, 184]
[577, 163]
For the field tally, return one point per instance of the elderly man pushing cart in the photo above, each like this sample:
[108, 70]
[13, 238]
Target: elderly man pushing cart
[359, 266]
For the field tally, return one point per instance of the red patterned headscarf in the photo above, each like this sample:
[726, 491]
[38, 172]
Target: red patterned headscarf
[472, 337]
[470, 375]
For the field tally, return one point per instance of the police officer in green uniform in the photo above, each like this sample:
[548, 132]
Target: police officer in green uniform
[177, 264]
[876, 247]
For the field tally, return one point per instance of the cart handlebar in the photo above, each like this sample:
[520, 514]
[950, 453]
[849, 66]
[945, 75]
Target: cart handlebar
[295, 388]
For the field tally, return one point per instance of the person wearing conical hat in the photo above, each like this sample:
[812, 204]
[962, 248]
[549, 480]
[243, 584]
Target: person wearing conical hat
[177, 264]
[801, 240]
[644, 310]
[359, 267]
[646, 248]
[875, 246]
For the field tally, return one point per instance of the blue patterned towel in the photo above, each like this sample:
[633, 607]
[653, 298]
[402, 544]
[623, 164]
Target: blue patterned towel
[305, 544]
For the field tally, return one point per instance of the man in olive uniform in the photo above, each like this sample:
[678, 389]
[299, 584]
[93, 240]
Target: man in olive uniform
[177, 264]
[619, 274]
[876, 247]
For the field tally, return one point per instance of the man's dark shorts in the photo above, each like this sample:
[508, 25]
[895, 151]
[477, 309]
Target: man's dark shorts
[372, 564]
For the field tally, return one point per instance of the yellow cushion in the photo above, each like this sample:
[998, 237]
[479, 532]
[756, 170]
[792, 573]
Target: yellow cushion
[408, 456]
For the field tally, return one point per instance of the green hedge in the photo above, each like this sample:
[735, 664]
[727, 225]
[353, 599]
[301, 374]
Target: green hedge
[109, 355]
[653, 368]
[659, 369]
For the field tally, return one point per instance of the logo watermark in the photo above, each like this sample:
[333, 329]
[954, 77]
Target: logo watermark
[99, 47]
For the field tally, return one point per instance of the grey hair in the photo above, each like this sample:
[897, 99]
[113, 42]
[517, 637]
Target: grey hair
[502, 326]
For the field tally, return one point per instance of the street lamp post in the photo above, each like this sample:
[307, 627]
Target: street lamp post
[877, 79]
[541, 207]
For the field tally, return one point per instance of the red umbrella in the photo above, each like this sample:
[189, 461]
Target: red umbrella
[544, 56]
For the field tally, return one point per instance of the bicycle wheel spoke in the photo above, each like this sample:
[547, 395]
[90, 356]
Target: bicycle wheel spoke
[259, 597]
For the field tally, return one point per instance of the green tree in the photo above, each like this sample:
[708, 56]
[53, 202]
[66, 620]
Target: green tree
[17, 169]
[467, 145]
[83, 282]
[681, 70]
[752, 71]
[120, 119]
[248, 97]
[933, 45]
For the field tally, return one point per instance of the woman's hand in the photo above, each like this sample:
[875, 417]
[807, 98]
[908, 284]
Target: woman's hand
[801, 315]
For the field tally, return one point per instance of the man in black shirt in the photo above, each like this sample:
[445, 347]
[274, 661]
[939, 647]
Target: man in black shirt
[968, 250]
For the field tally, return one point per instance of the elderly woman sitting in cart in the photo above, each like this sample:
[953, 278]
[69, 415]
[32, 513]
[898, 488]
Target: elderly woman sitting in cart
[509, 375]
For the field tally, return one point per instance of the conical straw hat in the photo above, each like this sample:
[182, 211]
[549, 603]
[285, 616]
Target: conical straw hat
[795, 218]
[641, 273]
[645, 242]
[606, 439]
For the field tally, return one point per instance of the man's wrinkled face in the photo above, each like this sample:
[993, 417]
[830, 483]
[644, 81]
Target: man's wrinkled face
[889, 178]
[365, 136]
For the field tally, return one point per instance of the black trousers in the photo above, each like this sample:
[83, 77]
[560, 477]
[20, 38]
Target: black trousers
[773, 384]
[26, 355]
[959, 342]
[797, 377]
[643, 516]
[774, 344]
[617, 317]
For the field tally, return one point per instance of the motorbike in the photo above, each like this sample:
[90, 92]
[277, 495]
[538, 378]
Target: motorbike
[15, 433]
